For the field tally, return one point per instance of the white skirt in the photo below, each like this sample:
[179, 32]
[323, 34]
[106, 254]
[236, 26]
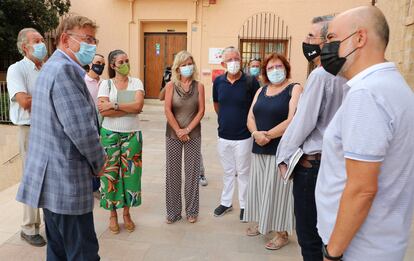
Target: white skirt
[269, 201]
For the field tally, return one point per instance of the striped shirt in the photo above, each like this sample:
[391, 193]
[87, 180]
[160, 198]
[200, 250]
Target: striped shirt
[374, 124]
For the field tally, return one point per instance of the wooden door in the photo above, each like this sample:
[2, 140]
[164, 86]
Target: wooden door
[160, 50]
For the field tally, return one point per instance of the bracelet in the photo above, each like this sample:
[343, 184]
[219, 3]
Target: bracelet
[116, 106]
[187, 129]
[253, 133]
[327, 256]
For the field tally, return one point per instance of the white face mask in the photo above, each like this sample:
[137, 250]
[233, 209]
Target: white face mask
[233, 67]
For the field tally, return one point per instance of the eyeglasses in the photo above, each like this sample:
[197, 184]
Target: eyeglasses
[255, 59]
[277, 66]
[88, 39]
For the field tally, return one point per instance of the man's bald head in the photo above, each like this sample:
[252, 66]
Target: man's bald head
[369, 17]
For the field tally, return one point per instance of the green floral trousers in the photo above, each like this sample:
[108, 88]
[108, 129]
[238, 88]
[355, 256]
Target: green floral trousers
[121, 181]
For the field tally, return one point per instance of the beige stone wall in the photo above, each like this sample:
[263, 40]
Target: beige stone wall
[401, 46]
[218, 25]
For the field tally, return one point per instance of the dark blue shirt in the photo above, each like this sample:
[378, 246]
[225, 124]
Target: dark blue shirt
[270, 111]
[234, 103]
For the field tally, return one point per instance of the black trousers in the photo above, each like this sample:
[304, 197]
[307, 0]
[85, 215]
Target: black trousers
[70, 237]
[304, 183]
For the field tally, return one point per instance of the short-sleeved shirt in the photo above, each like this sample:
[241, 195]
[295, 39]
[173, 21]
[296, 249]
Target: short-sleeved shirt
[234, 103]
[374, 124]
[21, 77]
[93, 86]
[127, 123]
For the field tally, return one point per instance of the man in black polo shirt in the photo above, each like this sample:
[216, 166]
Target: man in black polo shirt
[233, 93]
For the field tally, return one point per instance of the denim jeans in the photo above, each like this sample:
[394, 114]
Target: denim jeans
[304, 182]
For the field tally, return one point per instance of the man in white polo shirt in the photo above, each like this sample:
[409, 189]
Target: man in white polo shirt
[365, 188]
[21, 77]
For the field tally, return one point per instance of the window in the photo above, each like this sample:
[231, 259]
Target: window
[262, 34]
[259, 48]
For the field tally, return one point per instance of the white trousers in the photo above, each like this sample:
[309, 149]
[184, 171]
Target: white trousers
[31, 216]
[235, 156]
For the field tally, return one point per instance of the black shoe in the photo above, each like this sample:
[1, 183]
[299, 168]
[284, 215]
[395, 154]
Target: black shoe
[241, 214]
[221, 210]
[35, 240]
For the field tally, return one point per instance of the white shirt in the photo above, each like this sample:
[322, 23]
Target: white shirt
[127, 123]
[374, 124]
[21, 77]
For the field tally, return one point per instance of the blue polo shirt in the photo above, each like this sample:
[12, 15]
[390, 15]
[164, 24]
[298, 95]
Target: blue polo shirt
[234, 103]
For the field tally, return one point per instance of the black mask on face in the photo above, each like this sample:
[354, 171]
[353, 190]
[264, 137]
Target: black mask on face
[330, 59]
[98, 68]
[311, 51]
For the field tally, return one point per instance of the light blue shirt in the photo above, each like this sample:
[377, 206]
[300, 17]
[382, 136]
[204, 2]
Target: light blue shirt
[374, 124]
[317, 105]
[21, 77]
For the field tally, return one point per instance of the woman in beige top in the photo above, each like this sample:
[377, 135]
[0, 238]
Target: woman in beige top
[184, 109]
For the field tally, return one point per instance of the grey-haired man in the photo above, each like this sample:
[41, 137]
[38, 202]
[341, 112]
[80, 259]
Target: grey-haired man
[318, 104]
[21, 78]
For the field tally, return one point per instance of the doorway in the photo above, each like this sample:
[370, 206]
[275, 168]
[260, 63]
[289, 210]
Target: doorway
[160, 50]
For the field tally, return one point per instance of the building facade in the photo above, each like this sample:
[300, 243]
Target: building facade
[152, 31]
[400, 16]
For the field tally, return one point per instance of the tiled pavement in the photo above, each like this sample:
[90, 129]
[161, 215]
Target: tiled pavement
[210, 238]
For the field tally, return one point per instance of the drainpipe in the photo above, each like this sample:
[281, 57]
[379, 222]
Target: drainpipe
[195, 2]
[131, 7]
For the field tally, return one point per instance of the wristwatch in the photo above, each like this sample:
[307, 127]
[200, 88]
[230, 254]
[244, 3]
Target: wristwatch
[116, 106]
[327, 256]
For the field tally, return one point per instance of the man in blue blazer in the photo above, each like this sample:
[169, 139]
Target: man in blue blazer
[64, 149]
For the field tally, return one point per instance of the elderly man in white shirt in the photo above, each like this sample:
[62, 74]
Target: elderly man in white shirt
[21, 78]
[365, 189]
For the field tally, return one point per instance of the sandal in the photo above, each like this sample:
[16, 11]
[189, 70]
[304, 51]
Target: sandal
[170, 221]
[192, 219]
[253, 231]
[129, 226]
[114, 228]
[277, 242]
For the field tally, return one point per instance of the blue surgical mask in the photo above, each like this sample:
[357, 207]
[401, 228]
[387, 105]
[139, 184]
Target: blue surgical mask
[254, 71]
[276, 76]
[187, 70]
[39, 51]
[86, 52]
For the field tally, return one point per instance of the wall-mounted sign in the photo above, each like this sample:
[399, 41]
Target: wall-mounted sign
[214, 55]
[157, 49]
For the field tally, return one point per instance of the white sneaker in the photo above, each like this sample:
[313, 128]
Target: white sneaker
[203, 181]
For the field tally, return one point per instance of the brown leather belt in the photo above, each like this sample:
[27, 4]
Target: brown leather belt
[305, 160]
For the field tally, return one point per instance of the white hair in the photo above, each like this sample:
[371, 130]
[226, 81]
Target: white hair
[22, 38]
[230, 49]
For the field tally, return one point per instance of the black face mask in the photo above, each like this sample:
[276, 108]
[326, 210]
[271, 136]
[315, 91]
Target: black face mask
[330, 59]
[311, 51]
[98, 68]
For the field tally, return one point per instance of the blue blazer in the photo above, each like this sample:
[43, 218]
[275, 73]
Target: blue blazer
[64, 148]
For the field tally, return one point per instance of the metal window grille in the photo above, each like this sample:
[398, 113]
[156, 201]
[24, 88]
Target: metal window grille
[4, 103]
[262, 34]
